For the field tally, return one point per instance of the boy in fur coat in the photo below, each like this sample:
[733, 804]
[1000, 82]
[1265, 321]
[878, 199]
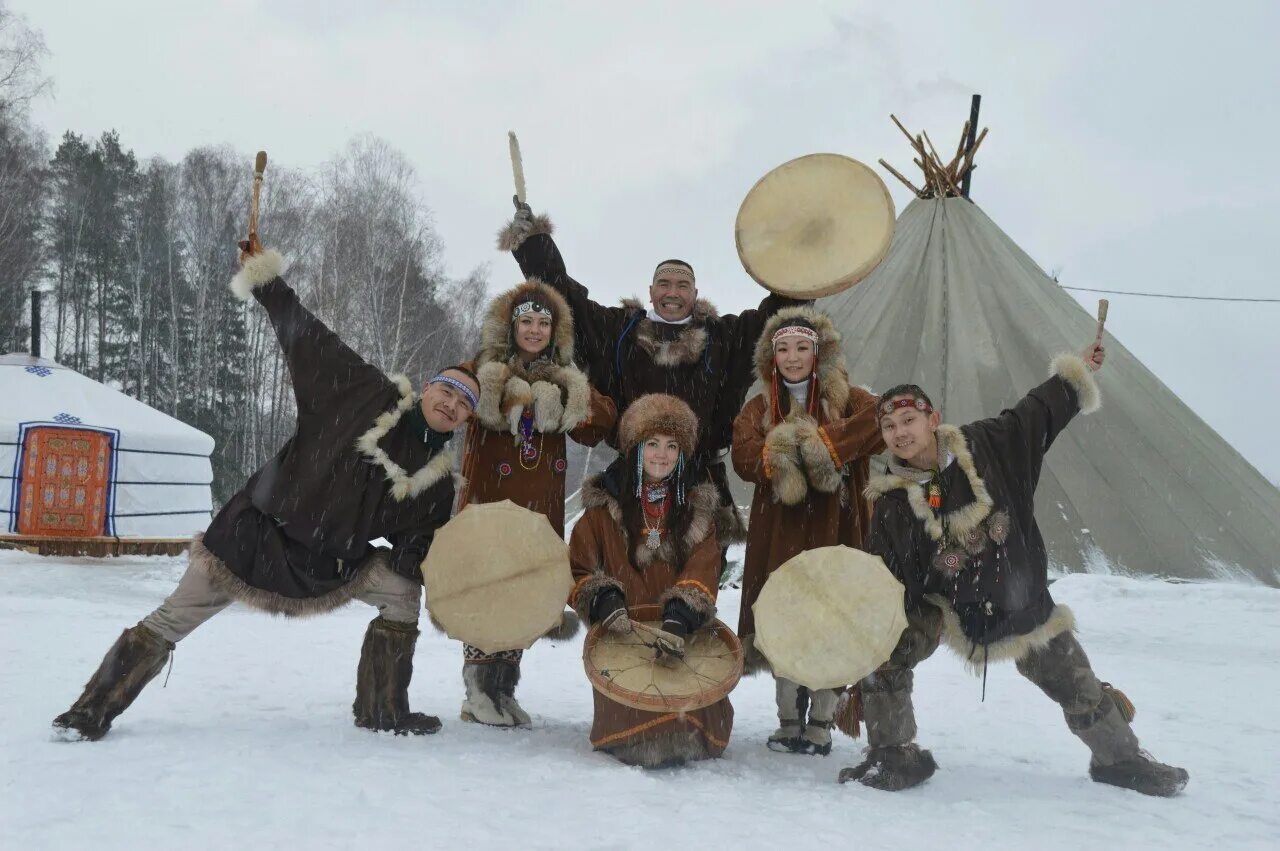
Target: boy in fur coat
[805, 442]
[367, 461]
[533, 397]
[954, 521]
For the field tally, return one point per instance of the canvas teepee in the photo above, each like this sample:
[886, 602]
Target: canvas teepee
[1143, 485]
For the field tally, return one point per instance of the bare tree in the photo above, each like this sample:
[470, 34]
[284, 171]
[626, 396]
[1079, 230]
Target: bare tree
[21, 51]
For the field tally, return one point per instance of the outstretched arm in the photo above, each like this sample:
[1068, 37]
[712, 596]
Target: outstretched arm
[1028, 429]
[325, 370]
[529, 239]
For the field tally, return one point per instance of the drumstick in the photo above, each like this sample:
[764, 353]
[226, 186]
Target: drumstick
[1103, 304]
[517, 165]
[259, 166]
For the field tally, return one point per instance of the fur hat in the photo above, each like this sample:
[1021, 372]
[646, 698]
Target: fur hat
[658, 413]
[495, 335]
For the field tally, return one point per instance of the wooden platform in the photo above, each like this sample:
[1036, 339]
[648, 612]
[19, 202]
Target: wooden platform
[99, 546]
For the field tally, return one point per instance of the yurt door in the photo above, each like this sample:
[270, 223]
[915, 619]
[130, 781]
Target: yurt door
[65, 474]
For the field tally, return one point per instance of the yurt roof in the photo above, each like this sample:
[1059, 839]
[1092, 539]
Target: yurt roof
[38, 390]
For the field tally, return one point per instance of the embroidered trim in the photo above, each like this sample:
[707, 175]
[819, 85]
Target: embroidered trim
[696, 584]
[831, 448]
[765, 462]
[403, 485]
[656, 722]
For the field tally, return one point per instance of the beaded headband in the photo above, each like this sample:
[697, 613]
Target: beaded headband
[459, 386]
[531, 307]
[795, 331]
[673, 267]
[888, 406]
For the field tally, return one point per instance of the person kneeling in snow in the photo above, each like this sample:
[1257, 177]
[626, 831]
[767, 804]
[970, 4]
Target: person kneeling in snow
[365, 462]
[647, 538]
[954, 521]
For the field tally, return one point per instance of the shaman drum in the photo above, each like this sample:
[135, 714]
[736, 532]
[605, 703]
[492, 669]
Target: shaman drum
[814, 226]
[625, 669]
[829, 617]
[497, 576]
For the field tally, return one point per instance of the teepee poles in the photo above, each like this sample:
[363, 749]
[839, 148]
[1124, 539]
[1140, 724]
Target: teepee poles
[942, 179]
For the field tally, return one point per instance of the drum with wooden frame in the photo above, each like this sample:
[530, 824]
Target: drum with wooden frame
[625, 667]
[814, 226]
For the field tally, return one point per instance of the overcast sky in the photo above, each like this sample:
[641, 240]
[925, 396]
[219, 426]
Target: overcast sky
[1131, 147]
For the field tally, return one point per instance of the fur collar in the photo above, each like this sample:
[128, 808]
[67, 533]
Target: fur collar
[960, 522]
[404, 485]
[703, 501]
[833, 376]
[688, 345]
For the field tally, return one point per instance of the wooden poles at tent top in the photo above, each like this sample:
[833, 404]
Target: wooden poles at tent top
[941, 179]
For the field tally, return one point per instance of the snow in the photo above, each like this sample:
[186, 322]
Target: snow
[251, 744]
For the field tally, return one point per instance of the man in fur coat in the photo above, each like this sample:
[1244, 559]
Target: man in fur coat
[366, 461]
[954, 521]
[805, 443]
[679, 345]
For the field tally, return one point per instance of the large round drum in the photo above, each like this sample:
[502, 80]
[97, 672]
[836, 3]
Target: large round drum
[497, 576]
[829, 617]
[624, 668]
[815, 226]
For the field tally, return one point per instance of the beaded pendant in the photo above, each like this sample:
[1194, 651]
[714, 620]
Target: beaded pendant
[935, 495]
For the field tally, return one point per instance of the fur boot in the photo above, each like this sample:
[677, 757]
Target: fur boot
[817, 731]
[132, 662]
[792, 700]
[1117, 759]
[491, 688]
[892, 768]
[382, 681]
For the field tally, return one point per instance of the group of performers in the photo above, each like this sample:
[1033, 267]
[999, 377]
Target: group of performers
[665, 386]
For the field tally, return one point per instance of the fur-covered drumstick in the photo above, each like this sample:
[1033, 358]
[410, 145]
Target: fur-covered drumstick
[1103, 304]
[517, 165]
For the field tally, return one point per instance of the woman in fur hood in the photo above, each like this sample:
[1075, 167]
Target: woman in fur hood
[805, 442]
[532, 396]
[647, 537]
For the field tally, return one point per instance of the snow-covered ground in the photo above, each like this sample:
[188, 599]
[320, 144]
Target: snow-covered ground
[251, 745]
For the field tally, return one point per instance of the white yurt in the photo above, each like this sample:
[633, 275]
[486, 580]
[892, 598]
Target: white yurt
[81, 460]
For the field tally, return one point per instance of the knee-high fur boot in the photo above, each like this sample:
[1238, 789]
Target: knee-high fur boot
[1093, 711]
[132, 662]
[382, 680]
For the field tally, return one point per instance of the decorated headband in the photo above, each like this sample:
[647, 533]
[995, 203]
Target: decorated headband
[795, 331]
[459, 386]
[673, 267]
[531, 307]
[888, 406]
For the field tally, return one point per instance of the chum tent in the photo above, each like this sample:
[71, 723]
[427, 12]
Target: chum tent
[79, 459]
[1143, 485]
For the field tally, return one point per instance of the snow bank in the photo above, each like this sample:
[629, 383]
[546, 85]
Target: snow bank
[251, 745]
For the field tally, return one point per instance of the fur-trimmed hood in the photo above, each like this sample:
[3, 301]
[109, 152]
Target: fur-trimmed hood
[688, 345]
[495, 335]
[553, 386]
[599, 491]
[833, 374]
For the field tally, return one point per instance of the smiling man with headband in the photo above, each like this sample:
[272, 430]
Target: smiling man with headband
[678, 345]
[365, 462]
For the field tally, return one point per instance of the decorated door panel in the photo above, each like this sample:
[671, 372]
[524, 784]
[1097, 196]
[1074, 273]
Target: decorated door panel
[66, 473]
